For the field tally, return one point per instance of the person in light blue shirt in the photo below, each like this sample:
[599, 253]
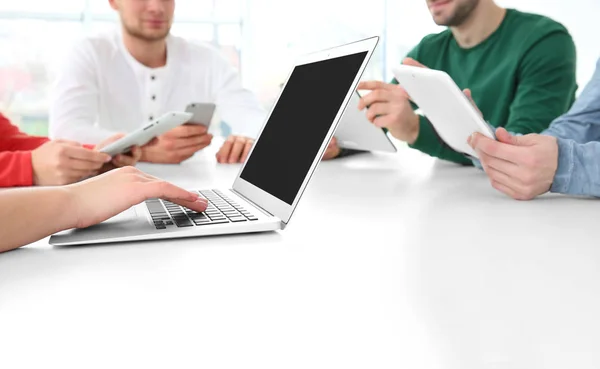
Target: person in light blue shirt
[565, 158]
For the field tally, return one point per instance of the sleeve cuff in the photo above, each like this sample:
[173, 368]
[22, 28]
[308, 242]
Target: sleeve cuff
[564, 171]
[27, 172]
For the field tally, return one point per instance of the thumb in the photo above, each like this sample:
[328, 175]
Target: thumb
[503, 136]
[412, 62]
[469, 96]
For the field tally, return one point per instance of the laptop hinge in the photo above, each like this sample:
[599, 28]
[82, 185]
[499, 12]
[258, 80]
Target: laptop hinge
[252, 202]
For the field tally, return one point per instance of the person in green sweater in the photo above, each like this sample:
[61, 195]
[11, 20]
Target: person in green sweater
[520, 68]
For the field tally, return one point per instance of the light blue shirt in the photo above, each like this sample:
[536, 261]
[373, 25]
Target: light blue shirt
[578, 134]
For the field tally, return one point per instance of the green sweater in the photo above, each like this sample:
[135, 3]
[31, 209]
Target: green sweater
[521, 77]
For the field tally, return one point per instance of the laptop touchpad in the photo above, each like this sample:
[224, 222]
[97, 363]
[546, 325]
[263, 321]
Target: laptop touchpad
[127, 215]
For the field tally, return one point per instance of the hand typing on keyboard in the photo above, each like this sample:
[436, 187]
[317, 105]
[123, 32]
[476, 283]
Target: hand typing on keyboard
[220, 210]
[83, 204]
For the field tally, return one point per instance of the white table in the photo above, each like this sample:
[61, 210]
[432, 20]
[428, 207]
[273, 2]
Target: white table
[390, 261]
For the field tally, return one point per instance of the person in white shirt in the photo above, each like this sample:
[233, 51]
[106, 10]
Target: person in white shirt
[118, 81]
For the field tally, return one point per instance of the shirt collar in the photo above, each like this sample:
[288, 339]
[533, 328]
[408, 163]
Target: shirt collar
[139, 68]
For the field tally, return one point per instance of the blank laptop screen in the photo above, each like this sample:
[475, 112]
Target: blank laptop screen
[299, 124]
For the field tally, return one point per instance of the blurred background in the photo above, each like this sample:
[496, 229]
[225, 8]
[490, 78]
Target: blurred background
[260, 37]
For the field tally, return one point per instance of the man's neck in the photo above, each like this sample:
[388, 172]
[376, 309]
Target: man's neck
[483, 21]
[152, 54]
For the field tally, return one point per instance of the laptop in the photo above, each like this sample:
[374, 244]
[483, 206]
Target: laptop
[357, 133]
[269, 186]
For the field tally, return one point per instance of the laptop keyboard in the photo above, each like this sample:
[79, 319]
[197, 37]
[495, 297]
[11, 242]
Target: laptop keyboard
[221, 209]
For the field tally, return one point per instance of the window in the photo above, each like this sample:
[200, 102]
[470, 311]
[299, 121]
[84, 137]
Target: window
[276, 32]
[41, 6]
[28, 56]
[260, 37]
[36, 34]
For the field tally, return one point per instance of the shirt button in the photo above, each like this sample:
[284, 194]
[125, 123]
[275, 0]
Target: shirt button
[153, 97]
[153, 77]
[151, 117]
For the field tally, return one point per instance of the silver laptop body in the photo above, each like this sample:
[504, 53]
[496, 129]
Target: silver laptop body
[267, 190]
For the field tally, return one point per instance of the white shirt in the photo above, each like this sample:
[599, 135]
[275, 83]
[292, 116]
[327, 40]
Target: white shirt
[102, 90]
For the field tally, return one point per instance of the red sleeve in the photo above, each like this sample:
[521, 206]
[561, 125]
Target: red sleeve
[11, 139]
[16, 169]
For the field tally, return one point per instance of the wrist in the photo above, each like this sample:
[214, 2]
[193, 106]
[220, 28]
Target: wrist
[564, 166]
[414, 129]
[145, 157]
[35, 179]
[151, 154]
[408, 130]
[69, 216]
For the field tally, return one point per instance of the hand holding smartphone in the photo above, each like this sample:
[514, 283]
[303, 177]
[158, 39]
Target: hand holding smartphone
[143, 135]
[202, 113]
[195, 113]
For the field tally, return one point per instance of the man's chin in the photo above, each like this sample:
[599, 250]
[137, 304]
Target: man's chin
[149, 36]
[440, 20]
[154, 37]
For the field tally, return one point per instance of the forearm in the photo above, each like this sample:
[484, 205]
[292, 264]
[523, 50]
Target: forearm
[429, 142]
[575, 129]
[30, 214]
[578, 170]
[582, 123]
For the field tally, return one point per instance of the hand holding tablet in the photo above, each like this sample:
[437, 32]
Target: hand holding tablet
[196, 114]
[448, 109]
[357, 133]
[145, 134]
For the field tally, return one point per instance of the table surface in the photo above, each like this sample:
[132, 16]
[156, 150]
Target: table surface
[390, 261]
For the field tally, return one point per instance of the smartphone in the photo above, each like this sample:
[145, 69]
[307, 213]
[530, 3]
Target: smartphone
[202, 113]
[143, 135]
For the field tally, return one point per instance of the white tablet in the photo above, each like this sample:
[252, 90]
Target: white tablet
[142, 136]
[444, 104]
[356, 132]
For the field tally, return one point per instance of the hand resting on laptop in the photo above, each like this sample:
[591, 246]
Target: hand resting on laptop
[53, 209]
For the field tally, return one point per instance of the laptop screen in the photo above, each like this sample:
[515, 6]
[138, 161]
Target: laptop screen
[298, 125]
